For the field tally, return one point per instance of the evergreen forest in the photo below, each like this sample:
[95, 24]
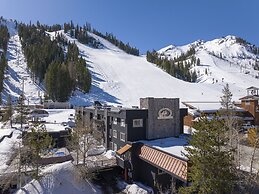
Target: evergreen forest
[62, 73]
[4, 37]
[178, 67]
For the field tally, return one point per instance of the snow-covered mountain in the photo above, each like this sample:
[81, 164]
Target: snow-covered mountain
[120, 78]
[226, 59]
[126, 78]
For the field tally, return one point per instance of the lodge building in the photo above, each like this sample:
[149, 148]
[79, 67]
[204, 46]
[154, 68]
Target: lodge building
[135, 134]
[247, 110]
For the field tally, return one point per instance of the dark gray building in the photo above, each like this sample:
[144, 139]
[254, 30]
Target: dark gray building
[124, 128]
[163, 117]
[155, 118]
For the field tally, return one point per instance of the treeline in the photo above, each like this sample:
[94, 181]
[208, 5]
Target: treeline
[4, 37]
[46, 60]
[111, 38]
[39, 50]
[253, 48]
[178, 67]
[80, 33]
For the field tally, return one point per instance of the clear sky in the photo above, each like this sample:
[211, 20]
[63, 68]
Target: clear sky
[147, 24]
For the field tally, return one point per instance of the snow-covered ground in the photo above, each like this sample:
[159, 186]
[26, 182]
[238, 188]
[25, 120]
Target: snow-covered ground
[59, 178]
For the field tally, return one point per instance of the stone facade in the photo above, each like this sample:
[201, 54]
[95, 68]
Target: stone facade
[163, 117]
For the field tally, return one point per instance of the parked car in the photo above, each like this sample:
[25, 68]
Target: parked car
[247, 126]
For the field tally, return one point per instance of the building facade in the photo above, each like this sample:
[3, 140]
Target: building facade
[156, 118]
[250, 103]
[125, 130]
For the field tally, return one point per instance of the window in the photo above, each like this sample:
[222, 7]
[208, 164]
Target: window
[114, 133]
[114, 147]
[115, 121]
[137, 122]
[122, 136]
[123, 122]
[247, 102]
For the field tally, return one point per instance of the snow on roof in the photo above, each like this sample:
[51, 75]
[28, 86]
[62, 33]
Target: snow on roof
[253, 88]
[52, 127]
[172, 145]
[59, 115]
[208, 107]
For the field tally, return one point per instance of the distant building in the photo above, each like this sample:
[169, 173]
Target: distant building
[246, 111]
[250, 103]
[56, 105]
[210, 109]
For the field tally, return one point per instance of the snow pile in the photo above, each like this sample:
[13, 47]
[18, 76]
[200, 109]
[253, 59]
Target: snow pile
[135, 188]
[7, 145]
[59, 179]
[110, 154]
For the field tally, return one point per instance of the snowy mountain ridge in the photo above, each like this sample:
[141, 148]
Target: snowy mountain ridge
[220, 58]
[120, 78]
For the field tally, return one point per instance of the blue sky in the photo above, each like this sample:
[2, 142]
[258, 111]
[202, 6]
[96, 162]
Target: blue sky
[147, 24]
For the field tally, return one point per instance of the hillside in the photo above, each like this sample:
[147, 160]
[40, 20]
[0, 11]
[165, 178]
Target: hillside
[123, 78]
[120, 78]
[17, 75]
[226, 59]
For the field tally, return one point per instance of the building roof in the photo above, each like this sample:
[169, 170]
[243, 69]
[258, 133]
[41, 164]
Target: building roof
[172, 145]
[250, 97]
[123, 149]
[252, 88]
[196, 107]
[176, 167]
[39, 113]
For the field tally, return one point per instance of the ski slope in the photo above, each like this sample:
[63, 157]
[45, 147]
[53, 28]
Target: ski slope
[122, 78]
[17, 76]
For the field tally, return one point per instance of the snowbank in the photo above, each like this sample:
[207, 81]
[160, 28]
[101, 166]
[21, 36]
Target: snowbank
[59, 179]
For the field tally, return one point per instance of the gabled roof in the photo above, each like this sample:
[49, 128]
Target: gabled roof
[170, 164]
[252, 87]
[123, 149]
[250, 97]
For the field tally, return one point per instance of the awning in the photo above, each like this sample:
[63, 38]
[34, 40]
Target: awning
[123, 149]
[170, 164]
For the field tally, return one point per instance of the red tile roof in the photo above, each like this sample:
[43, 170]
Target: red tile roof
[176, 167]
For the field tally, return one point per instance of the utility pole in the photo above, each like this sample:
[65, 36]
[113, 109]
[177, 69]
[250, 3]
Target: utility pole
[22, 101]
[19, 167]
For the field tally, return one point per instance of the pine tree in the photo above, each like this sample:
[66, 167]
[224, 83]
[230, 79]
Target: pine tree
[211, 165]
[226, 99]
[198, 62]
[9, 110]
[38, 141]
